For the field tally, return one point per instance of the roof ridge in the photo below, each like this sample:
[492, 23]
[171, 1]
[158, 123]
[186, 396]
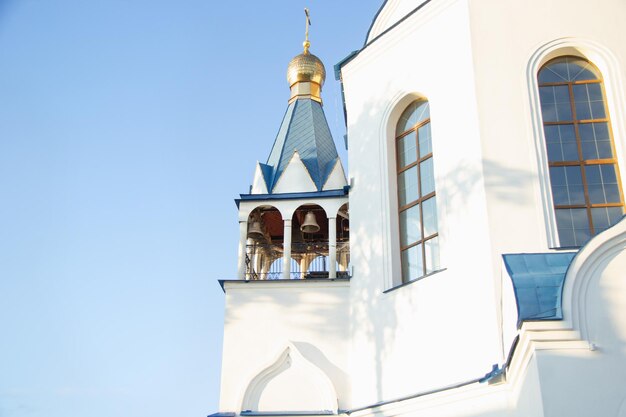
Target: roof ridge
[326, 131]
[319, 182]
[314, 150]
[282, 148]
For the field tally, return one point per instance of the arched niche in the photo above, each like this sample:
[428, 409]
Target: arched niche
[290, 383]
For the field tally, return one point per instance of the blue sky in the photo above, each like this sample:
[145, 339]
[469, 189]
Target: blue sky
[127, 128]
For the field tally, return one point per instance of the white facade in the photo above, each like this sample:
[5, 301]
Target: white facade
[372, 345]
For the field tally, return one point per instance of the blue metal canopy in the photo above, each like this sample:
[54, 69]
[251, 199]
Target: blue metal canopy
[538, 283]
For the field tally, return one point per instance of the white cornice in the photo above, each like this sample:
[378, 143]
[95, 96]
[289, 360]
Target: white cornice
[289, 284]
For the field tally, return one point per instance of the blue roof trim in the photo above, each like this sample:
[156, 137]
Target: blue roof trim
[366, 44]
[374, 21]
[304, 129]
[293, 196]
[338, 65]
[392, 26]
[538, 283]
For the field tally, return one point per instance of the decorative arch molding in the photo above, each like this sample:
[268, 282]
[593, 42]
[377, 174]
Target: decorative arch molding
[290, 359]
[329, 205]
[246, 208]
[584, 269]
[609, 66]
[288, 207]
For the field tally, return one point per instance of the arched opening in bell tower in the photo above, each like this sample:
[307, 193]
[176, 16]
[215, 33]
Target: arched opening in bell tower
[343, 241]
[264, 245]
[309, 241]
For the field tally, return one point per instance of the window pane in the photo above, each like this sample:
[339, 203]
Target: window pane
[581, 70]
[555, 103]
[412, 265]
[423, 111]
[431, 246]
[589, 101]
[410, 227]
[427, 177]
[582, 143]
[407, 119]
[566, 69]
[605, 217]
[567, 186]
[406, 150]
[429, 208]
[553, 73]
[417, 112]
[407, 186]
[561, 143]
[573, 226]
[602, 184]
[414, 183]
[595, 140]
[423, 135]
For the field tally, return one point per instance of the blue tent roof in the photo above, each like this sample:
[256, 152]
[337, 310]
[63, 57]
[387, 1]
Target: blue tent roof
[304, 129]
[538, 283]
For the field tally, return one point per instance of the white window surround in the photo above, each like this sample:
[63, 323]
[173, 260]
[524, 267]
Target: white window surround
[606, 62]
[392, 268]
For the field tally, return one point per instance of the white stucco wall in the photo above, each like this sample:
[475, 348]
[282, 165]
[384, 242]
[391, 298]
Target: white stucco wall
[506, 57]
[443, 328]
[262, 320]
[584, 382]
[473, 60]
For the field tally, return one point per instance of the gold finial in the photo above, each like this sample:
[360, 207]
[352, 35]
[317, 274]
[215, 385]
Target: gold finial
[305, 73]
[306, 44]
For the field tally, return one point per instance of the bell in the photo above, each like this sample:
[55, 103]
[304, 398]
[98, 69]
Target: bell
[255, 231]
[310, 224]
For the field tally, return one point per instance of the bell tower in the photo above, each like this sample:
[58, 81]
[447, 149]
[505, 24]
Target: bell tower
[294, 223]
[287, 315]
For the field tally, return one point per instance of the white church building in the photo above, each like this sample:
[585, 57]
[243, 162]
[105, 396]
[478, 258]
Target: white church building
[472, 262]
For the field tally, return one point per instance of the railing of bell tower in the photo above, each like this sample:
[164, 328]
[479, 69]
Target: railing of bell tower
[308, 260]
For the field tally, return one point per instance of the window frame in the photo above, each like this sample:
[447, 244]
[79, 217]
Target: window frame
[414, 130]
[581, 162]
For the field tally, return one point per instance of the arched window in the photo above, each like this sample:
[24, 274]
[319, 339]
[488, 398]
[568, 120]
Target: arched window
[584, 175]
[419, 243]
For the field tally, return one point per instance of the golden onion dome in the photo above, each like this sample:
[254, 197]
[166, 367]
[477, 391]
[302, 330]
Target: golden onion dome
[306, 67]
